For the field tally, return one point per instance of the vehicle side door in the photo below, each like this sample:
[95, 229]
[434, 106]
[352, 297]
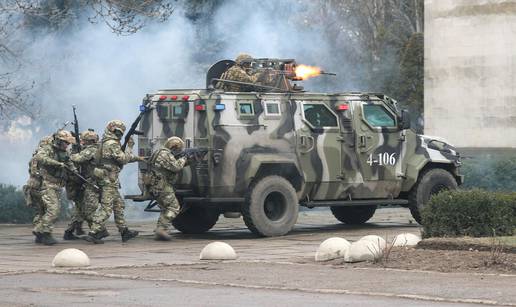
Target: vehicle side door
[378, 147]
[319, 148]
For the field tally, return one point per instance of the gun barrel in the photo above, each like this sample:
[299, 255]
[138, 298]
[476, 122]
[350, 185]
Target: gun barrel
[82, 178]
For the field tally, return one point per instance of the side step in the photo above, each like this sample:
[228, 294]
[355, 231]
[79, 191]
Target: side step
[146, 197]
[361, 202]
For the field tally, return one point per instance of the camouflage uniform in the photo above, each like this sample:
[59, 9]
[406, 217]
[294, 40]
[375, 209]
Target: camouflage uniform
[51, 162]
[237, 73]
[32, 189]
[87, 197]
[164, 167]
[110, 160]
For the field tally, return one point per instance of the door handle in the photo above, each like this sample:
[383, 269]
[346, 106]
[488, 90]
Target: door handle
[363, 141]
[312, 143]
[307, 141]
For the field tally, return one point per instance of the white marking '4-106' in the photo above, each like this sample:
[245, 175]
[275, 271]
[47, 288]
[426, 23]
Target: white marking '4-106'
[382, 159]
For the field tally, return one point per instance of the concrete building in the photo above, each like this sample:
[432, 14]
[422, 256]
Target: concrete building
[470, 72]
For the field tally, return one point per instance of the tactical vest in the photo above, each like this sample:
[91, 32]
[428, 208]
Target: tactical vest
[159, 175]
[88, 167]
[54, 174]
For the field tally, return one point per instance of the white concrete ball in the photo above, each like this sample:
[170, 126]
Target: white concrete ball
[332, 248]
[218, 251]
[375, 239]
[406, 239]
[71, 257]
[363, 250]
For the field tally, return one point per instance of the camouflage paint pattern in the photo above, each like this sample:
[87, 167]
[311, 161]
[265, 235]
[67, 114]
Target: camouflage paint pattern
[349, 159]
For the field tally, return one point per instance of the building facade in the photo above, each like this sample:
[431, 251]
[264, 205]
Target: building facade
[470, 72]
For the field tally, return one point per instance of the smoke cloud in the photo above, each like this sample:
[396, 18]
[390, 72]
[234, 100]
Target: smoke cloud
[106, 75]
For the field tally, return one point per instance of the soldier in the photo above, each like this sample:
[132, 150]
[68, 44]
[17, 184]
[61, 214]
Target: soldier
[51, 163]
[31, 190]
[109, 160]
[87, 197]
[238, 73]
[164, 166]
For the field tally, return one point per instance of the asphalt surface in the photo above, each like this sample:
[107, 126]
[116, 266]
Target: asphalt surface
[268, 272]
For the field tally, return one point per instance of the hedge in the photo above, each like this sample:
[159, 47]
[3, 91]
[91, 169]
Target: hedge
[475, 213]
[14, 210]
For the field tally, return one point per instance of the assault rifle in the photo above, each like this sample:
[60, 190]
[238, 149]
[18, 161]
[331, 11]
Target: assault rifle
[192, 154]
[77, 146]
[144, 107]
[86, 181]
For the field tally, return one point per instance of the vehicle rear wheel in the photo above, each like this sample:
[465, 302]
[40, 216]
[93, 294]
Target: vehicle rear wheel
[353, 215]
[429, 183]
[195, 220]
[271, 207]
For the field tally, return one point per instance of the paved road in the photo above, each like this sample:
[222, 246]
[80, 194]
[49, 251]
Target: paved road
[268, 272]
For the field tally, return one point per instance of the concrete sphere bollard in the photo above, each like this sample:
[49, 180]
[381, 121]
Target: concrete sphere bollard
[376, 240]
[332, 248]
[71, 257]
[406, 239]
[363, 250]
[218, 251]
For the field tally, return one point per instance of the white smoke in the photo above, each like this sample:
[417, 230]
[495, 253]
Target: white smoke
[19, 130]
[106, 76]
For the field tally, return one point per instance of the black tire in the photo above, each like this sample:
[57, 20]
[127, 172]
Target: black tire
[196, 220]
[429, 183]
[271, 207]
[353, 215]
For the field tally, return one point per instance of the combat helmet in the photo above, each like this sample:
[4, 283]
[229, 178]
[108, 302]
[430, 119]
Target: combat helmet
[242, 57]
[175, 143]
[89, 136]
[64, 136]
[115, 125]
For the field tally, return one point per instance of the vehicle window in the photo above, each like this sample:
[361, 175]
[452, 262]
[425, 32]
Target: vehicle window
[177, 111]
[163, 111]
[272, 108]
[245, 108]
[319, 115]
[378, 116]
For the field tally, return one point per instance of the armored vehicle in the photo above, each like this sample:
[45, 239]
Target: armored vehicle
[272, 149]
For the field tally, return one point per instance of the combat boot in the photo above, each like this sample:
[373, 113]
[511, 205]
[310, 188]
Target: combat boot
[47, 239]
[128, 234]
[68, 234]
[103, 233]
[94, 238]
[78, 229]
[161, 235]
[38, 237]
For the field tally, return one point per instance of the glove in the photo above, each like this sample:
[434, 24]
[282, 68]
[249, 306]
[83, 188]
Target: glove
[61, 165]
[130, 142]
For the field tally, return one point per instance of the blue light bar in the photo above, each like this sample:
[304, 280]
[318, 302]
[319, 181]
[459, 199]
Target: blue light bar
[143, 108]
[220, 107]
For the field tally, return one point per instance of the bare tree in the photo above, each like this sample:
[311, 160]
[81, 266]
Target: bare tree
[123, 17]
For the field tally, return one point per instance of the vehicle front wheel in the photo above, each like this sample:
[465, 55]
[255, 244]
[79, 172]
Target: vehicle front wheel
[195, 220]
[353, 215]
[429, 183]
[271, 207]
